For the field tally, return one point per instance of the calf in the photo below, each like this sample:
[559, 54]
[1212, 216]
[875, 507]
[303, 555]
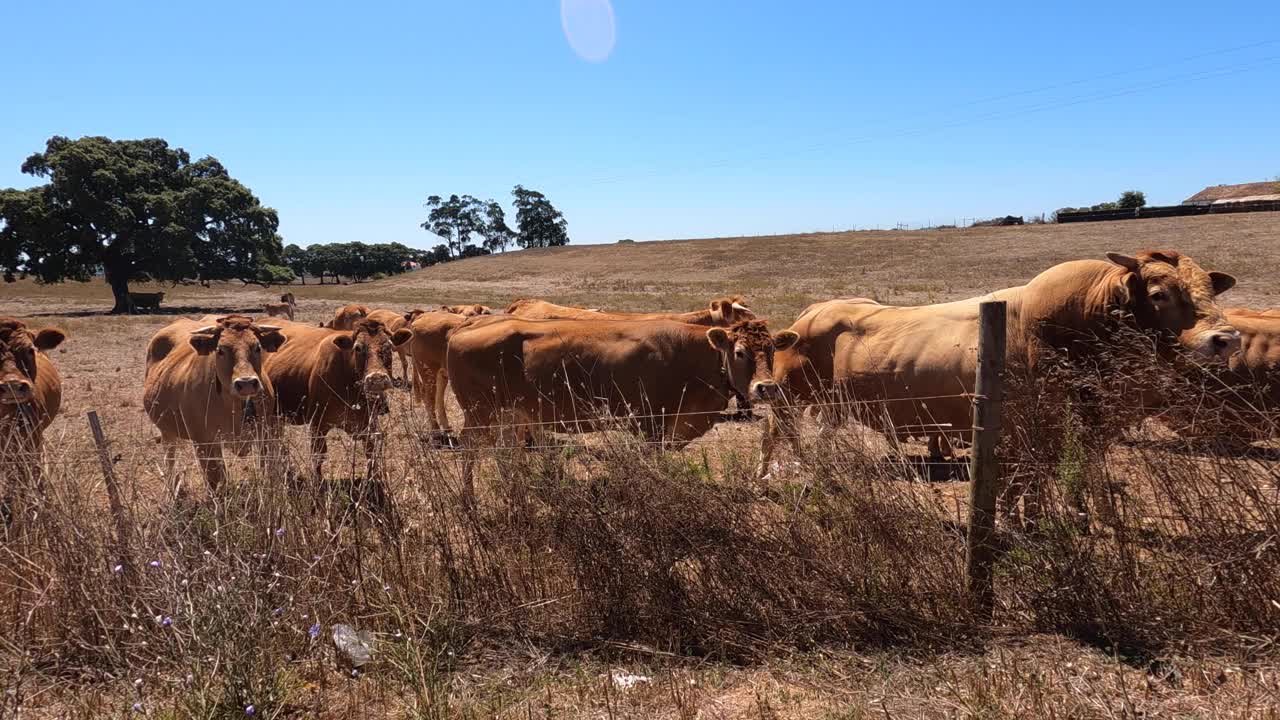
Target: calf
[30, 396]
[205, 384]
[286, 308]
[329, 379]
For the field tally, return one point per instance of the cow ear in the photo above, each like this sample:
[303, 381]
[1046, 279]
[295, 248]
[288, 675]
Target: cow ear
[401, 337]
[204, 340]
[1222, 282]
[49, 338]
[785, 339]
[272, 339]
[344, 341]
[717, 311]
[1132, 264]
[719, 339]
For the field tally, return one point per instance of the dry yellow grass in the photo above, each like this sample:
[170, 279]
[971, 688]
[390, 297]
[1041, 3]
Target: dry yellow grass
[102, 365]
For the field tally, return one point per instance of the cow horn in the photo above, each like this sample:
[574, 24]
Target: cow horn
[269, 328]
[740, 307]
[206, 330]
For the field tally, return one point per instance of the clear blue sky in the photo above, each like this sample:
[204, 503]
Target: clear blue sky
[708, 118]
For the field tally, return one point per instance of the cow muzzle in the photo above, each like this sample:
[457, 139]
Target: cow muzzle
[377, 383]
[1219, 344]
[15, 392]
[247, 386]
[765, 390]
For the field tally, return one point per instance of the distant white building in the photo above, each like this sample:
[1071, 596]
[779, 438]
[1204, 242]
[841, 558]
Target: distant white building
[1244, 192]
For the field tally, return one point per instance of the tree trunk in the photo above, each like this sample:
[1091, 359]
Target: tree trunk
[119, 283]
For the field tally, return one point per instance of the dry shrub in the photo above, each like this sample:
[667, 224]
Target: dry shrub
[1144, 543]
[607, 541]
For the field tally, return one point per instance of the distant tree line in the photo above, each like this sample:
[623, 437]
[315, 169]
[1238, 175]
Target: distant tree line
[353, 260]
[1128, 199]
[462, 220]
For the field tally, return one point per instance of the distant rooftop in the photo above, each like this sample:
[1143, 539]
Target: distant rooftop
[1235, 193]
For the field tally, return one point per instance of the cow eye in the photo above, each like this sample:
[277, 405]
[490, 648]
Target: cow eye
[222, 350]
[1159, 296]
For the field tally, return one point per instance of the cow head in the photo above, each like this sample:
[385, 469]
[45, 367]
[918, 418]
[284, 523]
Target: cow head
[346, 317]
[746, 351]
[288, 299]
[1168, 292]
[412, 315]
[236, 345]
[730, 310]
[18, 347]
[370, 346]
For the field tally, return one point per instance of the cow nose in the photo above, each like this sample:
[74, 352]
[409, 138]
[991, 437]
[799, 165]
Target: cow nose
[1225, 343]
[246, 386]
[377, 382]
[16, 390]
[764, 390]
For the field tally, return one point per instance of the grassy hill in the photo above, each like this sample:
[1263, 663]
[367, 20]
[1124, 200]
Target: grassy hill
[779, 275]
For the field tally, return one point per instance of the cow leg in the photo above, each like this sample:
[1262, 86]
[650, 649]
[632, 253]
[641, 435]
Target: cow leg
[319, 446]
[172, 478]
[211, 463]
[404, 368]
[442, 383]
[478, 434]
[782, 423]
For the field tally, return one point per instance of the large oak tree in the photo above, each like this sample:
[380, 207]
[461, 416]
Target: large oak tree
[134, 210]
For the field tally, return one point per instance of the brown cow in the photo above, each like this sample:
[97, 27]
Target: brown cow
[467, 310]
[335, 379]
[723, 312]
[30, 397]
[863, 350]
[393, 321]
[673, 378]
[204, 383]
[286, 308]
[430, 342]
[346, 317]
[1251, 384]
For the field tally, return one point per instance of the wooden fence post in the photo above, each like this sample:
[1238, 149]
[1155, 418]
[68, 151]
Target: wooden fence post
[123, 529]
[984, 470]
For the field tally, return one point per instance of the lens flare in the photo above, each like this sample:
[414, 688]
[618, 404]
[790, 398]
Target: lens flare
[589, 27]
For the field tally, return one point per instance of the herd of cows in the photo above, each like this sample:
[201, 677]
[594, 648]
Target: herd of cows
[232, 381]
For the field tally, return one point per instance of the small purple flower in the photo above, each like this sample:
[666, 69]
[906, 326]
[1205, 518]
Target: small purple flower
[167, 621]
[250, 710]
[314, 631]
[278, 612]
[118, 568]
[279, 532]
[154, 563]
[355, 672]
[137, 707]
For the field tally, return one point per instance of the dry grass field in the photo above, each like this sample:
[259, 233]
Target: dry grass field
[602, 579]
